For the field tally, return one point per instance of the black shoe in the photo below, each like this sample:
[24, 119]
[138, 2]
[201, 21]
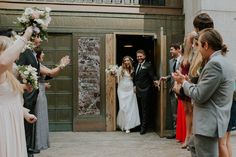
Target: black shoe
[142, 131]
[30, 155]
[33, 151]
[171, 136]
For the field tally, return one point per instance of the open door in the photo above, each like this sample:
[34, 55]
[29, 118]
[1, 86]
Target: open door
[110, 84]
[161, 96]
[157, 55]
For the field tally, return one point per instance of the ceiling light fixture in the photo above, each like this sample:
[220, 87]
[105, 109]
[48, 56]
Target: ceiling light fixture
[128, 45]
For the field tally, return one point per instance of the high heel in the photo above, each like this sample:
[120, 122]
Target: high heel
[185, 144]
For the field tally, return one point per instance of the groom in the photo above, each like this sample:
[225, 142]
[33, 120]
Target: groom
[144, 78]
[28, 57]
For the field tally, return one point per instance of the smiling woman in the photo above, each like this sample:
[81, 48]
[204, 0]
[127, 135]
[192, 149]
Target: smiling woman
[128, 115]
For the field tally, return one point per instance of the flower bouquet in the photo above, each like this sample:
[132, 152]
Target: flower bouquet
[38, 18]
[28, 75]
[112, 69]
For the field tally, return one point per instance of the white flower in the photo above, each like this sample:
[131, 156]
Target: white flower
[26, 72]
[23, 19]
[28, 11]
[39, 21]
[28, 75]
[47, 9]
[36, 17]
[112, 69]
[24, 81]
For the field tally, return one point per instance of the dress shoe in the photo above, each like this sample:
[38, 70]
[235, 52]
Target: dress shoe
[30, 155]
[142, 131]
[33, 151]
[171, 136]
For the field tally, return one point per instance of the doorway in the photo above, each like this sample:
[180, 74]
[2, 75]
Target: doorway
[127, 45]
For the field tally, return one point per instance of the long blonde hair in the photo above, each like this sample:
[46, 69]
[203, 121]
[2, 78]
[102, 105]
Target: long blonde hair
[187, 49]
[130, 68]
[196, 63]
[5, 42]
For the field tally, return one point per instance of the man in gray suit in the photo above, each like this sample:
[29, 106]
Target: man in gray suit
[174, 63]
[212, 95]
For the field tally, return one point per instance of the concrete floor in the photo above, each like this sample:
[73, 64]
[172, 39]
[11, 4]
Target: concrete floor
[114, 144]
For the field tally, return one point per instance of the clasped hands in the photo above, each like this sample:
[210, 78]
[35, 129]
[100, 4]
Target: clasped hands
[179, 78]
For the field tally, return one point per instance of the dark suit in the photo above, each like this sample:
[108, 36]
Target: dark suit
[143, 80]
[30, 98]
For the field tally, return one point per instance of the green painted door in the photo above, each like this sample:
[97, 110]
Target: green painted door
[59, 96]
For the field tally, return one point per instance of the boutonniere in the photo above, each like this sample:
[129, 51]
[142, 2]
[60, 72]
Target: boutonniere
[143, 67]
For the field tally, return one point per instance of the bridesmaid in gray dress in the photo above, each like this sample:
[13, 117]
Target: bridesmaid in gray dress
[41, 109]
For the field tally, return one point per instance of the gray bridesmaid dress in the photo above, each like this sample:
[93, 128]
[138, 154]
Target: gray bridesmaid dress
[41, 112]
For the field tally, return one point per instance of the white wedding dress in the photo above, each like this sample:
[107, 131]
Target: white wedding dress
[128, 115]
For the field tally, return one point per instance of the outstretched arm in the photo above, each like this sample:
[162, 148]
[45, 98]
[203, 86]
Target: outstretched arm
[53, 72]
[12, 52]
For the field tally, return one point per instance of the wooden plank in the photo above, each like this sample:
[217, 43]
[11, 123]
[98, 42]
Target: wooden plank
[110, 85]
[163, 85]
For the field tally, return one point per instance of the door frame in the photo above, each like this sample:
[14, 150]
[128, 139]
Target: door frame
[110, 47]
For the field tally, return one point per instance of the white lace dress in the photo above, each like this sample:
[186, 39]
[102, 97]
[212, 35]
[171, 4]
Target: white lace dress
[12, 132]
[128, 115]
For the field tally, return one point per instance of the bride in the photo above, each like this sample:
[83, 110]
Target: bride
[128, 115]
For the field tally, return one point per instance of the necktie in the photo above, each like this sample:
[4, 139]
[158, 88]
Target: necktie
[139, 66]
[174, 66]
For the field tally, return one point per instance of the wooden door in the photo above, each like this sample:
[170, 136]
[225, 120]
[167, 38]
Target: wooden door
[110, 84]
[162, 94]
[59, 96]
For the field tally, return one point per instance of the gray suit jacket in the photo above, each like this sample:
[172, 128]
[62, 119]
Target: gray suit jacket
[169, 77]
[212, 97]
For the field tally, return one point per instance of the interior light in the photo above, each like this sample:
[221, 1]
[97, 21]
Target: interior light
[128, 45]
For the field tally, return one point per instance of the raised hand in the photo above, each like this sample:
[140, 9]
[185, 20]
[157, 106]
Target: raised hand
[28, 33]
[64, 61]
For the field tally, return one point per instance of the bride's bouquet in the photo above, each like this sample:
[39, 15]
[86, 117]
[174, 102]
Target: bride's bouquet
[38, 18]
[28, 75]
[112, 69]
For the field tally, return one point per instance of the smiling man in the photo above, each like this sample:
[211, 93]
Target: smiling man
[144, 79]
